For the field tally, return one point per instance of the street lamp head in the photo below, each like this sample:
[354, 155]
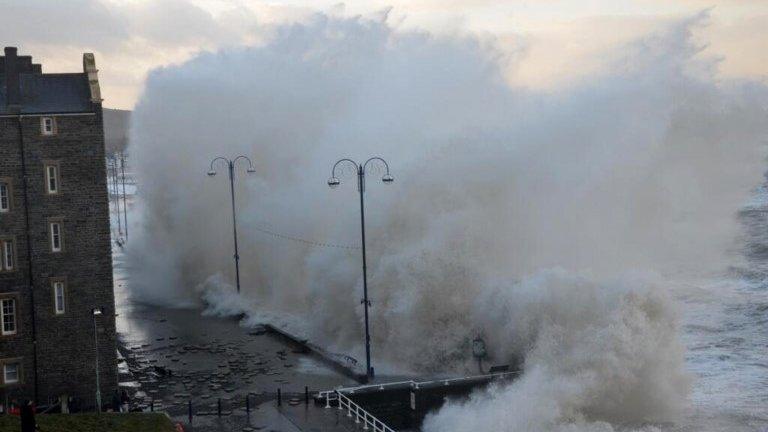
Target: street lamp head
[387, 179]
[96, 311]
[211, 173]
[333, 182]
[250, 170]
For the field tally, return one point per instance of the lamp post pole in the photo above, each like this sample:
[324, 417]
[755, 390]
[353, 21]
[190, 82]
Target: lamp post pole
[116, 193]
[366, 302]
[125, 204]
[231, 168]
[96, 312]
[333, 182]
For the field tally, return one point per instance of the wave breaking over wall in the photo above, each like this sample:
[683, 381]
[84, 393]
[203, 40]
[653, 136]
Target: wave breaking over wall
[553, 224]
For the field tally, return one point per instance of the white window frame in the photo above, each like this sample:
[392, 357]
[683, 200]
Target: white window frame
[45, 122]
[15, 314]
[5, 197]
[5, 372]
[56, 237]
[59, 306]
[55, 177]
[7, 256]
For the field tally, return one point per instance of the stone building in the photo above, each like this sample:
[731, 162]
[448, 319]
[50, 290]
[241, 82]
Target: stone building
[55, 246]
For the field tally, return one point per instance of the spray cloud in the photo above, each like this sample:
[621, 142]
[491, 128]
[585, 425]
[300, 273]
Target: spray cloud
[551, 223]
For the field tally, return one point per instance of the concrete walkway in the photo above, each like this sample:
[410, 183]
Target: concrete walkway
[316, 418]
[269, 417]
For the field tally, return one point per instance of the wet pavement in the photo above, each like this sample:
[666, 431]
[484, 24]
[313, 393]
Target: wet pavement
[286, 418]
[172, 358]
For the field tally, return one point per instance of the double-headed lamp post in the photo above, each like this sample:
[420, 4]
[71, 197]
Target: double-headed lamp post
[212, 172]
[97, 312]
[333, 182]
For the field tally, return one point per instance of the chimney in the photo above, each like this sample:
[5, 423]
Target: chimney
[89, 68]
[12, 91]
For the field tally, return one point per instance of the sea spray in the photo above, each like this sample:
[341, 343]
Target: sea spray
[521, 216]
[222, 300]
[597, 353]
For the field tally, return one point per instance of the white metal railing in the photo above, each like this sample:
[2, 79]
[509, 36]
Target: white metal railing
[356, 411]
[414, 384]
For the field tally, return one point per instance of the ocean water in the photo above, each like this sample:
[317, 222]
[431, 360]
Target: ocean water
[725, 330]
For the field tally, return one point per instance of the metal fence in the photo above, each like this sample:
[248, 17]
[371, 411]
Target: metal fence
[354, 410]
[226, 407]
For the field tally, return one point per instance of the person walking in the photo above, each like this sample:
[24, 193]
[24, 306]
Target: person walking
[116, 401]
[28, 417]
[125, 401]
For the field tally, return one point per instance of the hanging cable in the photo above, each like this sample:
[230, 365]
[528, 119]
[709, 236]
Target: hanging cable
[304, 241]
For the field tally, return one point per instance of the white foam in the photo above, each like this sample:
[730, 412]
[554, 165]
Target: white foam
[550, 223]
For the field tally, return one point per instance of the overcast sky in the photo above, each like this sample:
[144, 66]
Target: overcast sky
[556, 40]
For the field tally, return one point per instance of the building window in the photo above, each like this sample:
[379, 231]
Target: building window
[56, 240]
[58, 297]
[8, 316]
[52, 179]
[11, 372]
[5, 197]
[7, 255]
[48, 125]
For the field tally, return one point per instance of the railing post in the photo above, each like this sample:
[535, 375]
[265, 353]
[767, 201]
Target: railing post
[306, 395]
[279, 397]
[189, 410]
[218, 407]
[349, 408]
[152, 405]
[247, 403]
[369, 420]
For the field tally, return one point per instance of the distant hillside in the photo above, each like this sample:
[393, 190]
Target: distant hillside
[116, 125]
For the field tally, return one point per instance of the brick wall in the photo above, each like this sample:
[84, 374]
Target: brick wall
[66, 349]
[15, 283]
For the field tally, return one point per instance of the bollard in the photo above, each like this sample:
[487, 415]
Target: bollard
[218, 407]
[247, 403]
[279, 397]
[189, 409]
[306, 395]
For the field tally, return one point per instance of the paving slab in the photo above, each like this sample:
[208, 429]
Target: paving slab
[317, 418]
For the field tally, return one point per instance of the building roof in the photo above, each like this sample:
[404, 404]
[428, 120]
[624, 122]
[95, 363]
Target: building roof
[50, 93]
[40, 93]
